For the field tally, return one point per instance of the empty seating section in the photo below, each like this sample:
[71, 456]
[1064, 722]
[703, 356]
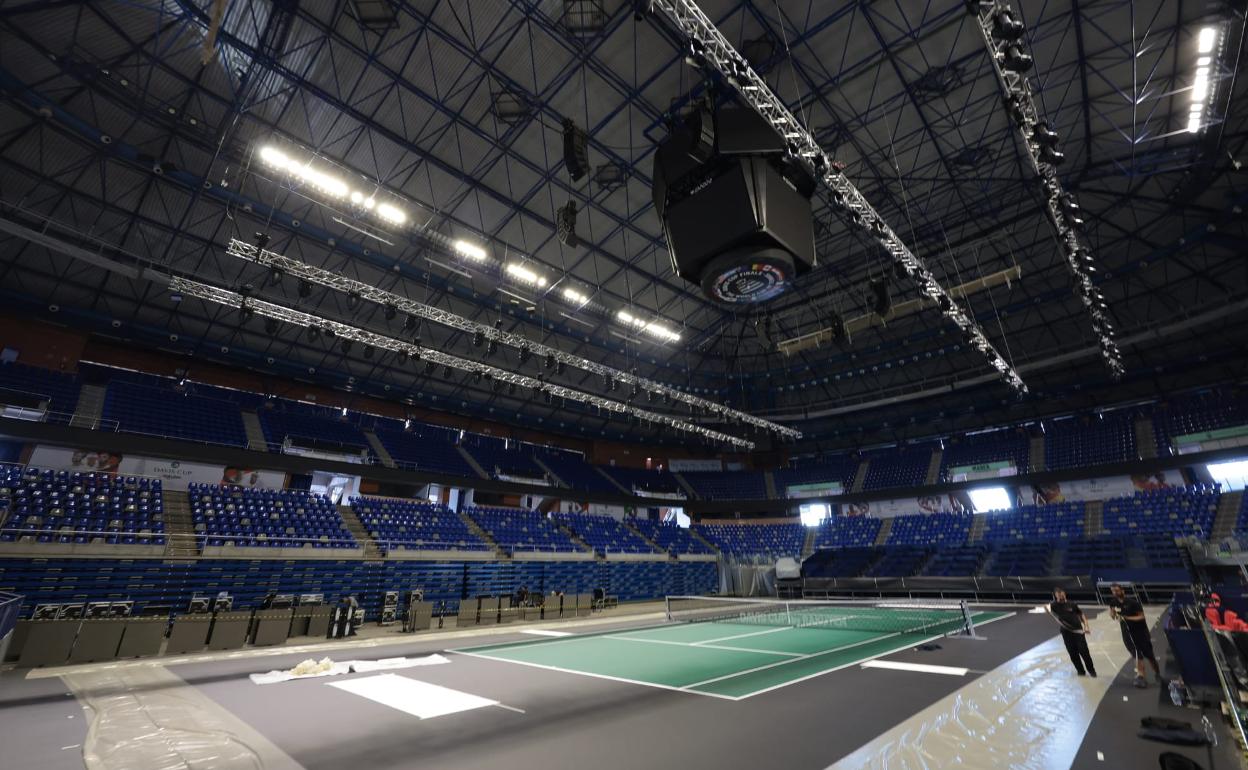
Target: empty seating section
[958, 561]
[930, 529]
[497, 459]
[1173, 511]
[518, 530]
[604, 534]
[46, 506]
[839, 469]
[572, 470]
[1084, 557]
[152, 582]
[727, 485]
[900, 561]
[1013, 446]
[410, 524]
[899, 467]
[265, 518]
[425, 447]
[1022, 558]
[167, 412]
[1197, 413]
[774, 540]
[841, 562]
[1086, 441]
[1059, 521]
[57, 389]
[304, 423]
[670, 537]
[642, 480]
[847, 532]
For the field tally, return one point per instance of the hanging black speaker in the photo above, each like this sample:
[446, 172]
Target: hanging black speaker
[575, 150]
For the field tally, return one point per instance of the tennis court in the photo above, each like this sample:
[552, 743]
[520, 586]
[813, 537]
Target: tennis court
[735, 649]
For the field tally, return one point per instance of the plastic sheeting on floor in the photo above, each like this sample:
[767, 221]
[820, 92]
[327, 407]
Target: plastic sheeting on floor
[147, 717]
[1031, 712]
[350, 667]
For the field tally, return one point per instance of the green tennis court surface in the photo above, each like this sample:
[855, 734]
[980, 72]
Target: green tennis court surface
[723, 659]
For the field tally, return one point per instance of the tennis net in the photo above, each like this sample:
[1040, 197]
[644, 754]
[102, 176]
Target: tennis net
[896, 616]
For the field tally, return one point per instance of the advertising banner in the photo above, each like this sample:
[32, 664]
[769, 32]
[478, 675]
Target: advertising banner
[887, 509]
[994, 470]
[174, 474]
[814, 489]
[694, 465]
[1103, 488]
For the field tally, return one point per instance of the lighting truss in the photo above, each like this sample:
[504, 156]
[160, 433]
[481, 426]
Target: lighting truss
[1060, 204]
[190, 288]
[707, 44]
[297, 269]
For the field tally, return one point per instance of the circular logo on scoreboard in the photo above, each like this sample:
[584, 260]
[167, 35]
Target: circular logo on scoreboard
[749, 282]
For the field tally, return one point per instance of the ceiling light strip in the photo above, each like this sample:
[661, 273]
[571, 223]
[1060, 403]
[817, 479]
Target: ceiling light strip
[1061, 205]
[708, 44]
[381, 342]
[371, 293]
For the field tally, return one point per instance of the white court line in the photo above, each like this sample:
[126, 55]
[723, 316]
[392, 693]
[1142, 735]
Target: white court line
[921, 668]
[739, 636]
[544, 632]
[595, 676]
[511, 708]
[708, 646]
[807, 656]
[899, 648]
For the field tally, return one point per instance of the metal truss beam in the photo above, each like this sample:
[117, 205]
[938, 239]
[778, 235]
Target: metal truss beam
[343, 331]
[1021, 108]
[708, 44]
[350, 286]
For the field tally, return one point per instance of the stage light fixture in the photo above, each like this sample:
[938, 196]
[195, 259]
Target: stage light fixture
[353, 301]
[1006, 27]
[559, 367]
[314, 333]
[390, 312]
[410, 323]
[346, 345]
[565, 225]
[478, 338]
[469, 250]
[491, 348]
[1052, 156]
[403, 356]
[524, 274]
[524, 354]
[1015, 59]
[305, 289]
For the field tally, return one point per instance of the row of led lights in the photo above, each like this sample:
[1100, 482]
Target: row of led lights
[334, 187]
[1200, 86]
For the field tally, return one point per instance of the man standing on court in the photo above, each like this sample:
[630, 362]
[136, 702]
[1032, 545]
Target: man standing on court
[1074, 631]
[1135, 634]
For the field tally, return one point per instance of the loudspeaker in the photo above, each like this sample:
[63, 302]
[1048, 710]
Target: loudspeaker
[575, 150]
[883, 303]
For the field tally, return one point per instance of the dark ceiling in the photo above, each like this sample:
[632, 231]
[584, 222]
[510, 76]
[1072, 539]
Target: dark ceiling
[116, 137]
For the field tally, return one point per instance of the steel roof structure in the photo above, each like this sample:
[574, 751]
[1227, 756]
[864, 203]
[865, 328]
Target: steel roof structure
[131, 137]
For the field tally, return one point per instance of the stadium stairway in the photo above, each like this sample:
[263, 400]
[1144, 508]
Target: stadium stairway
[685, 485]
[808, 544]
[472, 462]
[769, 483]
[695, 534]
[1145, 439]
[179, 527]
[551, 474]
[575, 538]
[358, 531]
[1035, 454]
[614, 483]
[628, 524]
[886, 529]
[255, 432]
[933, 467]
[860, 478]
[90, 407]
[978, 522]
[476, 529]
[379, 449]
[1094, 518]
[1227, 516]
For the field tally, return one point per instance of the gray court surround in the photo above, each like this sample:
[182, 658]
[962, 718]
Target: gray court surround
[551, 719]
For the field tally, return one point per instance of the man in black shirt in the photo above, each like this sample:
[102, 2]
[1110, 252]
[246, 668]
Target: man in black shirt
[1129, 613]
[1074, 631]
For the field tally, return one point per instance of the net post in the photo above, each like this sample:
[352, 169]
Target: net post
[968, 620]
[667, 608]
